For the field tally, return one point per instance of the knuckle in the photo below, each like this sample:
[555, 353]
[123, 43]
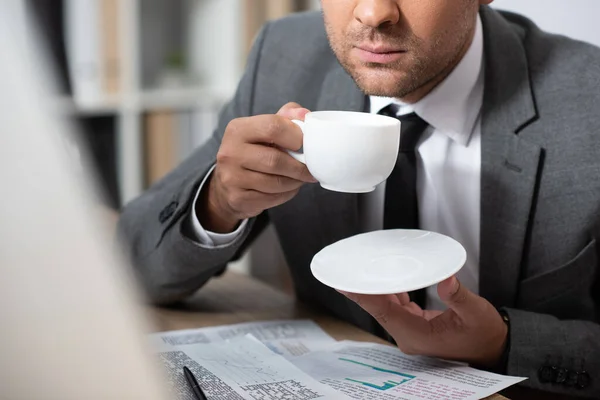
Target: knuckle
[233, 127]
[301, 171]
[486, 308]
[460, 296]
[279, 182]
[271, 130]
[223, 155]
[236, 200]
[292, 104]
[226, 178]
[273, 160]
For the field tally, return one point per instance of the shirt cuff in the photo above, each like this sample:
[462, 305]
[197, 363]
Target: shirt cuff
[208, 238]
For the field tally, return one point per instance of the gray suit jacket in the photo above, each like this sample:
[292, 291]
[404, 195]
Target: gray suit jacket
[540, 190]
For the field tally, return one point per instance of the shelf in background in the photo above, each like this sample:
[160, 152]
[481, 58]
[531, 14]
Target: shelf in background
[148, 100]
[180, 98]
[67, 106]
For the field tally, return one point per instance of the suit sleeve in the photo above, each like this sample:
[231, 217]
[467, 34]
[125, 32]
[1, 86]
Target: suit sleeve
[557, 355]
[560, 355]
[154, 229]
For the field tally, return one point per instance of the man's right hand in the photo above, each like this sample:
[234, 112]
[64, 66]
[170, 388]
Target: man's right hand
[253, 171]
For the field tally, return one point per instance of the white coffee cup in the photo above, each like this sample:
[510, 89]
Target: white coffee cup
[349, 152]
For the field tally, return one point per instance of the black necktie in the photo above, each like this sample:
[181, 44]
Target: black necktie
[401, 209]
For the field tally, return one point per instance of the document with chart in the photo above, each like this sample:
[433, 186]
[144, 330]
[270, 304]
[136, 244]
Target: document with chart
[365, 371]
[241, 368]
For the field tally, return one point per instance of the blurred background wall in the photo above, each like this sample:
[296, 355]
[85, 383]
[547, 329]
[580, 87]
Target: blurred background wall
[145, 79]
[574, 18]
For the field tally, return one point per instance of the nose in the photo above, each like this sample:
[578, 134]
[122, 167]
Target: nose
[376, 13]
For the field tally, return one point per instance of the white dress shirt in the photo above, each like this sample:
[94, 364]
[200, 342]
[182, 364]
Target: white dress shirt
[448, 166]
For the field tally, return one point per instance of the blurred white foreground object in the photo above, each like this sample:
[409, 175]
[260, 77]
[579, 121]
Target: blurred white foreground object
[71, 323]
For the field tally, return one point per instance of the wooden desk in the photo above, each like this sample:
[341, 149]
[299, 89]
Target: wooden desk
[235, 298]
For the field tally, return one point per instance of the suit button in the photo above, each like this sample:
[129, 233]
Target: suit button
[167, 212]
[561, 375]
[583, 380]
[546, 374]
[572, 377]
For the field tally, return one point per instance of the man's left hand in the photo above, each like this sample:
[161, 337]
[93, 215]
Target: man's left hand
[470, 330]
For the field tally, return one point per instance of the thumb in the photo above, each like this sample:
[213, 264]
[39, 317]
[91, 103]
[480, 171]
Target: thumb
[293, 111]
[458, 297]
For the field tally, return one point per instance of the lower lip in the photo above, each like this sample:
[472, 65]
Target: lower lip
[379, 58]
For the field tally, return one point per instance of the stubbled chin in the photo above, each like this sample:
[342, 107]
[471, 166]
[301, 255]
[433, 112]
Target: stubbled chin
[379, 81]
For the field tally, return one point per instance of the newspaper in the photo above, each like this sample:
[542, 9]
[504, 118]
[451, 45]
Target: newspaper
[367, 371]
[287, 338]
[297, 360]
[242, 368]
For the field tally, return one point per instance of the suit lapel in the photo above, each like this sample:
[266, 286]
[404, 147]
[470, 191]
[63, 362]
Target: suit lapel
[510, 165]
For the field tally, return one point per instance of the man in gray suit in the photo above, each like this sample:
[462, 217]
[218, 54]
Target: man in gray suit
[508, 163]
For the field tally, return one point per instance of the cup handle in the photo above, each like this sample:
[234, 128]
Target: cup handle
[297, 155]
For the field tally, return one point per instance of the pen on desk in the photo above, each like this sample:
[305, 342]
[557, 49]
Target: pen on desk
[194, 384]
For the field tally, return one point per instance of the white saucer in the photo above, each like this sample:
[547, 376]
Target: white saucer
[388, 261]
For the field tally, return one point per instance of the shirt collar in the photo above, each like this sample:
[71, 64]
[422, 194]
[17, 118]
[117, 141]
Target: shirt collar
[453, 106]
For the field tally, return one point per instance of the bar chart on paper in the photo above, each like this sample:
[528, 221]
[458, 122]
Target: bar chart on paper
[365, 371]
[390, 378]
[351, 370]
